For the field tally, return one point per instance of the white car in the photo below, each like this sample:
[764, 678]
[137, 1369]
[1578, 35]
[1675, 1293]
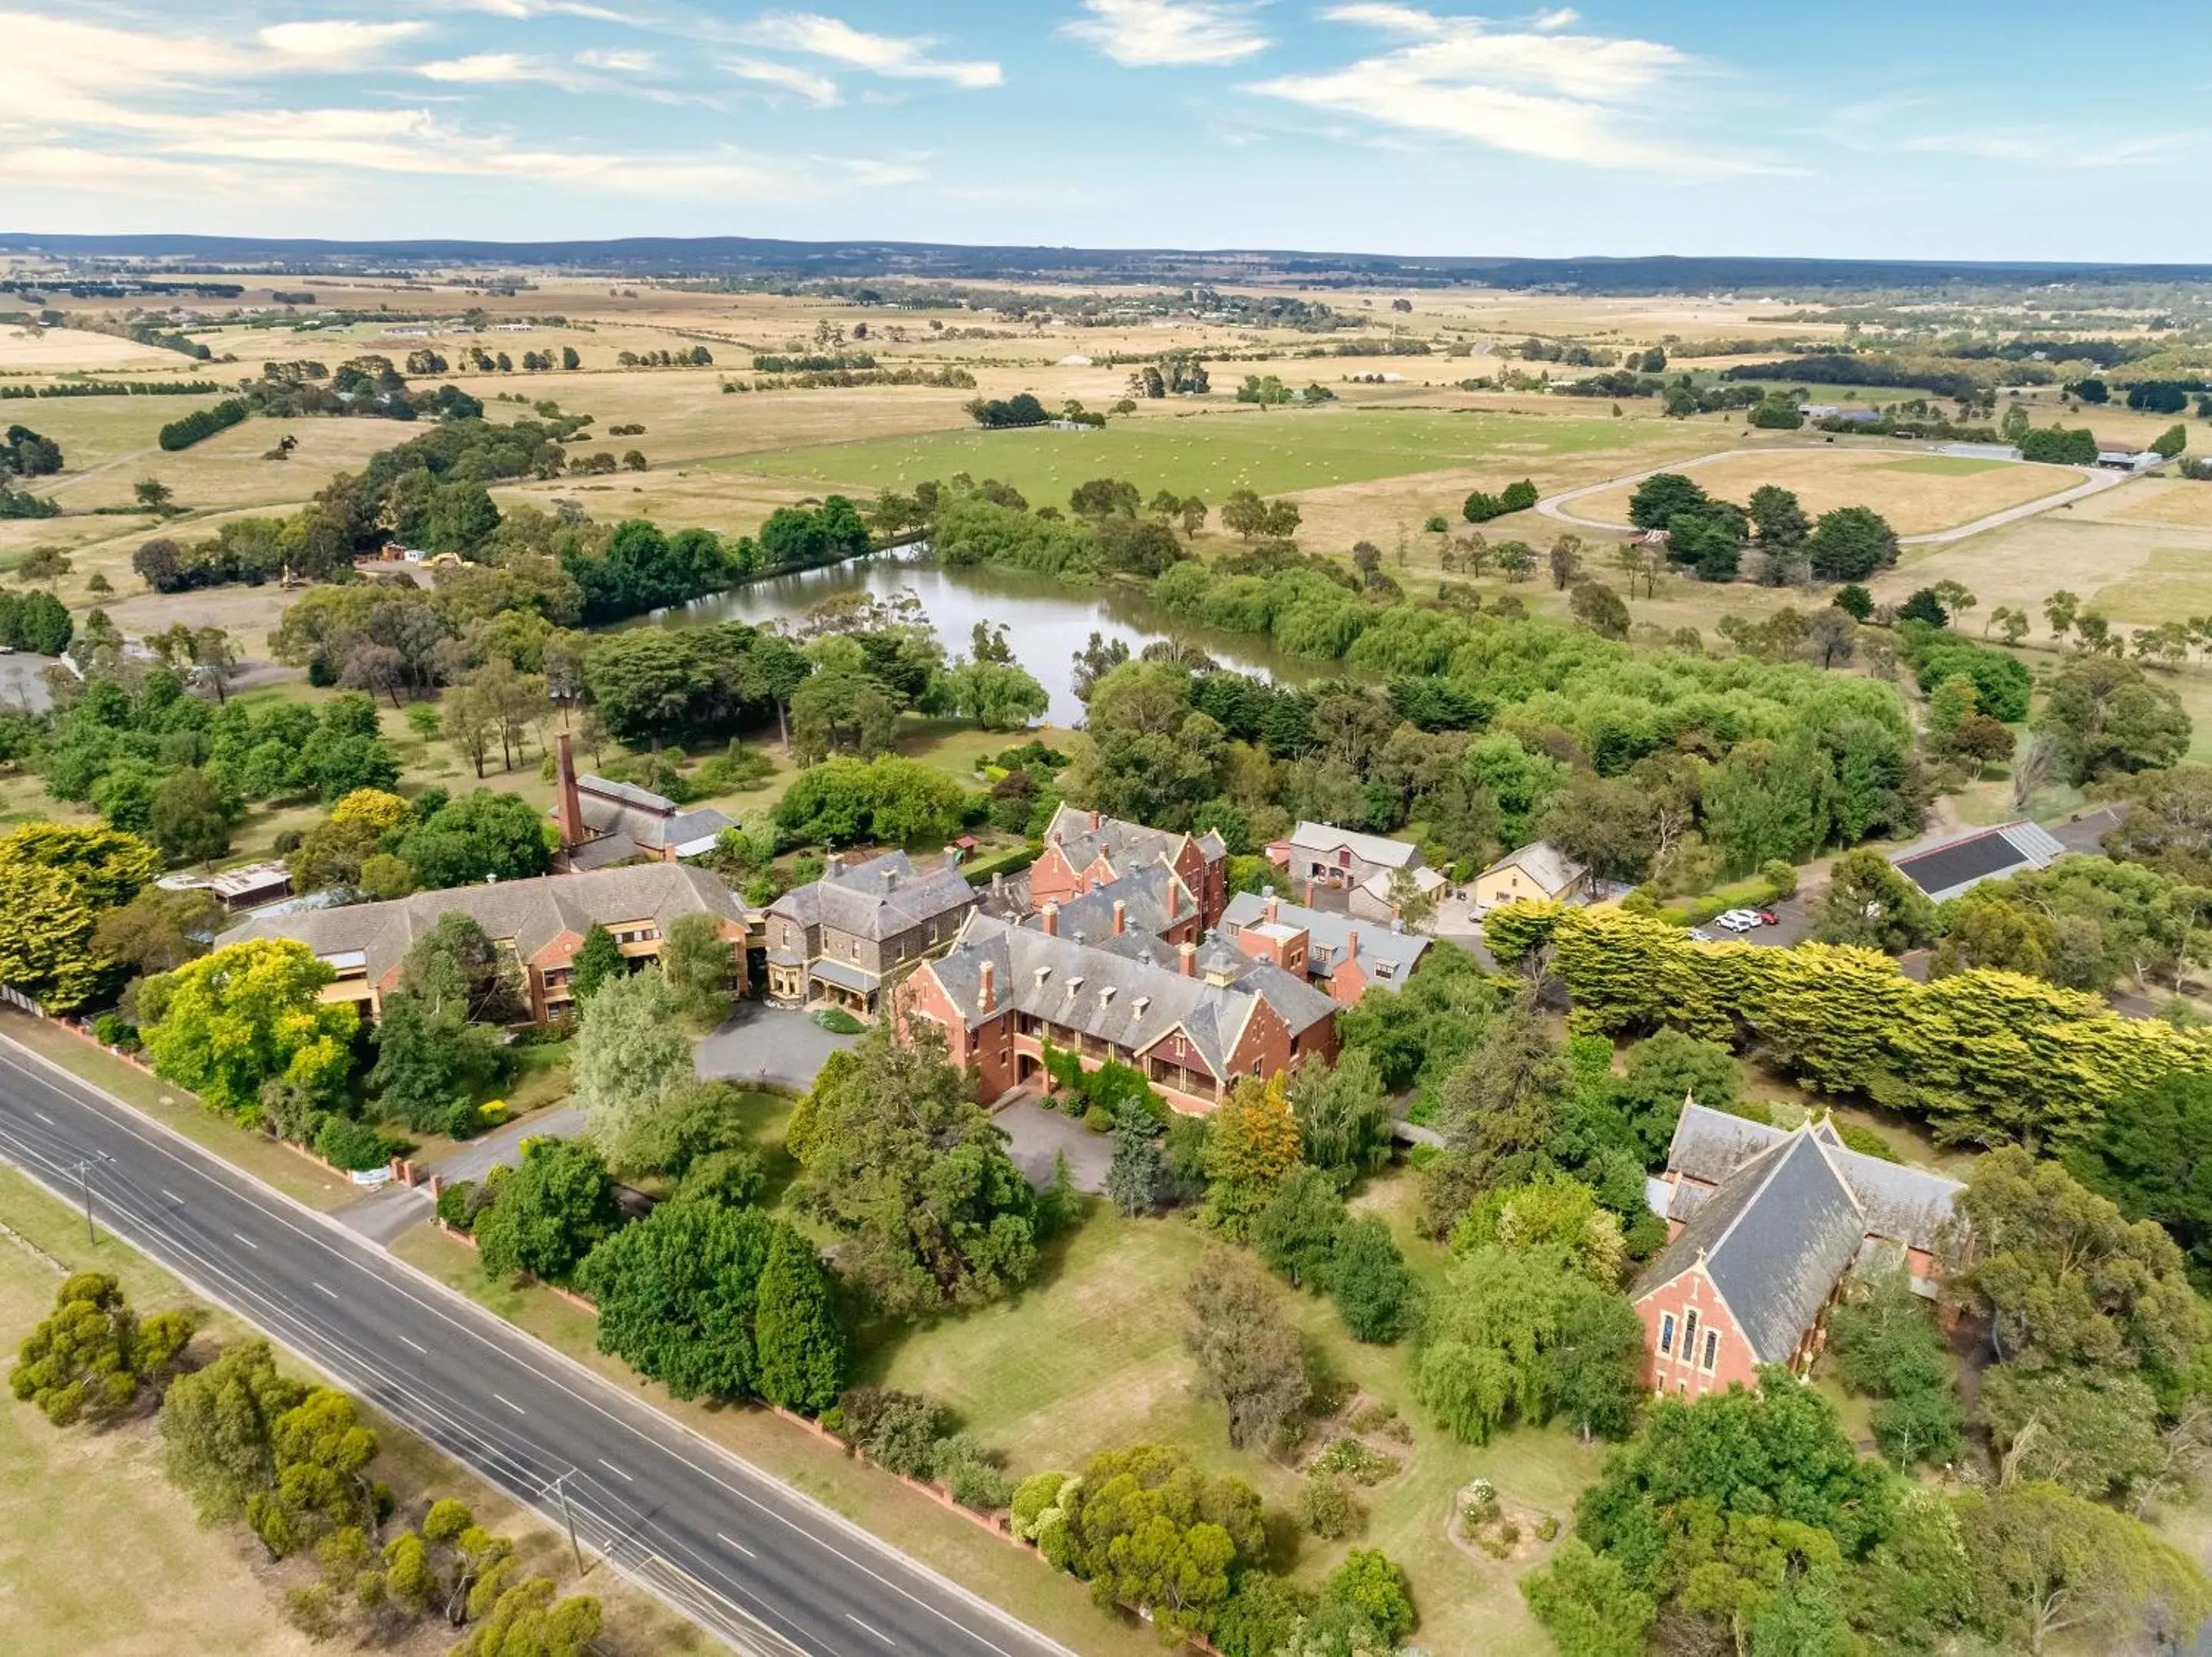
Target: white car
[1699, 935]
[1738, 920]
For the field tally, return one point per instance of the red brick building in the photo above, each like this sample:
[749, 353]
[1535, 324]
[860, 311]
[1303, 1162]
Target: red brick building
[1765, 1225]
[1337, 953]
[1085, 850]
[1192, 1019]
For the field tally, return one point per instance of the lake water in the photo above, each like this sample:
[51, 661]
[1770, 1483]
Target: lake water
[1047, 621]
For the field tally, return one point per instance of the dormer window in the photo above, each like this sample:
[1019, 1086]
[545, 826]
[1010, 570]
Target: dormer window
[1106, 995]
[1043, 972]
[1137, 1007]
[1075, 985]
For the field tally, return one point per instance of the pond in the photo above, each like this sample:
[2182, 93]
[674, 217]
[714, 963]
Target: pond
[1047, 621]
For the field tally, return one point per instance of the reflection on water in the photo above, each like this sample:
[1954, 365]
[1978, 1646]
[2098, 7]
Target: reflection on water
[1047, 622]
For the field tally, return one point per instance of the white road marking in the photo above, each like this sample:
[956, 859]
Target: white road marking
[47, 1119]
[739, 1546]
[173, 1195]
[332, 1293]
[866, 1629]
[615, 1470]
[247, 1240]
[417, 1345]
[511, 1403]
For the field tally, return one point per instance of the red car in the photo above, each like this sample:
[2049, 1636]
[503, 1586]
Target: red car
[1768, 917]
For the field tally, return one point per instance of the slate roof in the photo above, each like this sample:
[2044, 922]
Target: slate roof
[1543, 863]
[1368, 848]
[1775, 1239]
[1127, 844]
[653, 823]
[1330, 936]
[533, 913]
[878, 899]
[1144, 894]
[1912, 1205]
[1946, 867]
[1126, 997]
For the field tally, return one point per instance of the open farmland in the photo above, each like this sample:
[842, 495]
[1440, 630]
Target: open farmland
[1211, 453]
[63, 350]
[1914, 495]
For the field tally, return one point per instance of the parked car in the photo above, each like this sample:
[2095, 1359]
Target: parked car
[1768, 917]
[1699, 935]
[1737, 920]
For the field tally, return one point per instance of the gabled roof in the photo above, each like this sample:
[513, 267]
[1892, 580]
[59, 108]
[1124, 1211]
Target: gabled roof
[1368, 848]
[1126, 996]
[878, 899]
[1125, 845]
[648, 821]
[1913, 1205]
[1958, 862]
[1775, 1239]
[533, 913]
[1329, 935]
[1543, 863]
[1144, 894]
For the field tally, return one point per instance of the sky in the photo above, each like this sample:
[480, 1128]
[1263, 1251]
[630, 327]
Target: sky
[1961, 130]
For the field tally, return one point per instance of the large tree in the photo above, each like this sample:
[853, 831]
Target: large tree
[897, 1156]
[547, 1215]
[2152, 1154]
[1851, 544]
[92, 1354]
[1247, 1351]
[2045, 1562]
[1871, 904]
[56, 881]
[1146, 1527]
[630, 1051]
[699, 965]
[1343, 1116]
[482, 835]
[219, 1426]
[1254, 1145]
[800, 1344]
[2107, 717]
[678, 1295]
[248, 1014]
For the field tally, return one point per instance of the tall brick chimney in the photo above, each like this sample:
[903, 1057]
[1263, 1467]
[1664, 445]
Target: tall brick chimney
[1175, 900]
[1120, 917]
[568, 805]
[1351, 943]
[1094, 822]
[1187, 959]
[1051, 914]
[986, 988]
[1270, 908]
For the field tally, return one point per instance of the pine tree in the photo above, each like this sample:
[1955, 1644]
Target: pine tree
[801, 1346]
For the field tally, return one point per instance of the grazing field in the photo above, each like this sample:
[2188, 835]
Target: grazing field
[2163, 501]
[62, 349]
[1211, 453]
[1912, 494]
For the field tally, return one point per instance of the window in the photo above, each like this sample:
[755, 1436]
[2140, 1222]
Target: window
[1712, 1350]
[1665, 1333]
[1690, 1335]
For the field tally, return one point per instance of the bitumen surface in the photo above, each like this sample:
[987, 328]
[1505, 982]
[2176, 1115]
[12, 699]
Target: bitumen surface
[754, 1562]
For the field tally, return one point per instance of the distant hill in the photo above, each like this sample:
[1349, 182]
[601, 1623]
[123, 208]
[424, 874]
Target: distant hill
[720, 256]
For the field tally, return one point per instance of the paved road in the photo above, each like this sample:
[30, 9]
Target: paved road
[2094, 481]
[734, 1550]
[781, 1046]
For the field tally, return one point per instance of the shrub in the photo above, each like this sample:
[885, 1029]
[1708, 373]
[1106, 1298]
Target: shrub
[1037, 1499]
[457, 1204]
[113, 1030]
[901, 1431]
[1098, 1118]
[1326, 1508]
[1781, 876]
[976, 1484]
[1367, 1581]
[838, 1022]
[1547, 1528]
[354, 1146]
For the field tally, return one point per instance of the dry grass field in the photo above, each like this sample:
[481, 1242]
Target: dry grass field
[1916, 495]
[65, 350]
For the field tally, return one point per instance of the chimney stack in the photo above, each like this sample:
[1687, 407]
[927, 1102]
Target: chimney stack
[1120, 917]
[568, 805]
[1051, 914]
[1094, 822]
[833, 865]
[1175, 899]
[1270, 908]
[890, 880]
[986, 988]
[1187, 959]
[1351, 943]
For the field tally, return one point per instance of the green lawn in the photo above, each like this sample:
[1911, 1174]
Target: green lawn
[1944, 465]
[1209, 454]
[1092, 1357]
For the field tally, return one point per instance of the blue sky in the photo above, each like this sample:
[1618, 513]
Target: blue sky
[1957, 130]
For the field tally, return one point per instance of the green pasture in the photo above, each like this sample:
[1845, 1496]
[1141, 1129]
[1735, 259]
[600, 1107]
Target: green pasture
[1946, 465]
[1212, 454]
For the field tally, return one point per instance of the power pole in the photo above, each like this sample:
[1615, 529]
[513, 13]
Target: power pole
[84, 1185]
[560, 1489]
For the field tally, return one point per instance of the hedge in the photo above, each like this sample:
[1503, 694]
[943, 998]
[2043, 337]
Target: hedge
[202, 423]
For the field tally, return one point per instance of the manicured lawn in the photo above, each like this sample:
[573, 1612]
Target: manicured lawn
[1208, 454]
[1092, 1358]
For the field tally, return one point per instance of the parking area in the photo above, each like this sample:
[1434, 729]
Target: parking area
[1036, 1136]
[772, 1047]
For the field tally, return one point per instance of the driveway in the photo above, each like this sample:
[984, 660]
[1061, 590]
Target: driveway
[390, 1209]
[775, 1046]
[1035, 1136]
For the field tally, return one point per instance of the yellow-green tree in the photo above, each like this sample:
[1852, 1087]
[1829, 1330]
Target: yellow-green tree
[56, 881]
[1253, 1144]
[247, 1014]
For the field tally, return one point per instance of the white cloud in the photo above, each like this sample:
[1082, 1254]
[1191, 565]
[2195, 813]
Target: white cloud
[905, 57]
[818, 90]
[1564, 17]
[1168, 31]
[487, 69]
[2048, 149]
[618, 62]
[523, 10]
[334, 43]
[1564, 97]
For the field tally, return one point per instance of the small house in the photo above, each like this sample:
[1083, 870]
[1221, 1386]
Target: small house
[1537, 873]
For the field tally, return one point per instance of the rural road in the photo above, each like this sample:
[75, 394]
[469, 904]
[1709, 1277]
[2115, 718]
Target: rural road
[2094, 481]
[738, 1552]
